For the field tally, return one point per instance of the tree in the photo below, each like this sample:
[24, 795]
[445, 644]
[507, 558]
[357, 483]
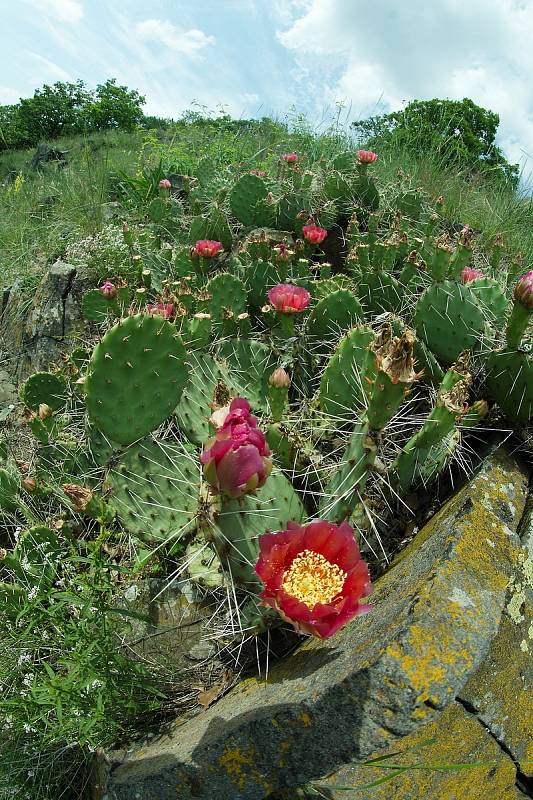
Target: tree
[54, 110]
[459, 133]
[12, 133]
[115, 107]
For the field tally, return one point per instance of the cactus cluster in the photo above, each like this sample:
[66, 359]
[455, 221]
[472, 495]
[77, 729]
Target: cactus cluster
[329, 310]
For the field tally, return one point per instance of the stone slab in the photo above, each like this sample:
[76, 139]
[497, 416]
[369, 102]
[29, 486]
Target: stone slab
[436, 612]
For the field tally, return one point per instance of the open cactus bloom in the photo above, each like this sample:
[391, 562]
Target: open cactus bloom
[314, 576]
[290, 158]
[366, 156]
[288, 299]
[314, 234]
[236, 460]
[165, 310]
[207, 248]
[468, 274]
[164, 183]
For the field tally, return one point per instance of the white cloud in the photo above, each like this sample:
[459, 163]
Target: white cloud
[48, 70]
[162, 31]
[61, 10]
[379, 57]
[8, 96]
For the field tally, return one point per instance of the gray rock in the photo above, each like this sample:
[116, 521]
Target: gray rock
[436, 612]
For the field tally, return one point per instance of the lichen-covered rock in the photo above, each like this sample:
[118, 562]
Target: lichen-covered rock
[457, 738]
[384, 676]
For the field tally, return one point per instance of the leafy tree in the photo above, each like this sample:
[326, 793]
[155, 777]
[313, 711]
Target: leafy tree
[54, 110]
[115, 107]
[12, 132]
[460, 133]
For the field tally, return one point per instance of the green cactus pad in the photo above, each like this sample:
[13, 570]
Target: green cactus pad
[9, 485]
[203, 564]
[380, 292]
[260, 277]
[156, 210]
[342, 392]
[366, 191]
[44, 387]
[241, 522]
[334, 314]
[449, 320]
[249, 364]
[410, 204]
[227, 293]
[96, 308]
[215, 226]
[247, 201]
[155, 488]
[135, 377]
[348, 482]
[337, 188]
[345, 162]
[193, 410]
[491, 300]
[510, 383]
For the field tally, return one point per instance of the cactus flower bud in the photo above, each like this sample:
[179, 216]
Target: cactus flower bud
[165, 310]
[366, 156]
[108, 289]
[3, 553]
[207, 248]
[314, 234]
[313, 576]
[164, 183]
[279, 379]
[468, 274]
[44, 411]
[290, 158]
[28, 484]
[289, 299]
[523, 291]
[283, 253]
[236, 460]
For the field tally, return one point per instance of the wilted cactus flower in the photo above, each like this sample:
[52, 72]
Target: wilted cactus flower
[207, 248]
[523, 291]
[165, 310]
[313, 234]
[259, 172]
[290, 158]
[236, 460]
[164, 183]
[314, 576]
[108, 289]
[366, 156]
[468, 274]
[289, 299]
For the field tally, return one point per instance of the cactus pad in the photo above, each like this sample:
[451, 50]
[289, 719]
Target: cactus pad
[135, 377]
[155, 488]
[193, 410]
[510, 382]
[449, 320]
[44, 387]
[250, 365]
[247, 201]
[342, 383]
[380, 292]
[334, 314]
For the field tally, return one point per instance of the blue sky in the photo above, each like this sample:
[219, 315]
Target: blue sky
[258, 57]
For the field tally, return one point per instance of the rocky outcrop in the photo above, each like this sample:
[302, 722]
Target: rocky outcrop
[422, 660]
[35, 331]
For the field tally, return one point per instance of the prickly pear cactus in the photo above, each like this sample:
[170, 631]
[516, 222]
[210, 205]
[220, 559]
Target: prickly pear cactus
[510, 383]
[155, 489]
[44, 387]
[247, 201]
[334, 315]
[135, 377]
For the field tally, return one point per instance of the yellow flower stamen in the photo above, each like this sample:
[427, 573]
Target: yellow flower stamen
[313, 579]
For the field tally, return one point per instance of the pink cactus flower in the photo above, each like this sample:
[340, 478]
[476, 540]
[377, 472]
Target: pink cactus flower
[165, 310]
[290, 158]
[236, 460]
[523, 291]
[259, 172]
[207, 248]
[366, 156]
[164, 183]
[108, 289]
[288, 299]
[314, 576]
[313, 234]
[468, 274]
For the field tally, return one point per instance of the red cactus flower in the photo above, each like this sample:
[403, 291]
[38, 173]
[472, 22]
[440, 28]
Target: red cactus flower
[236, 460]
[165, 310]
[313, 234]
[366, 156]
[290, 158]
[259, 172]
[108, 289]
[289, 299]
[164, 183]
[314, 576]
[468, 274]
[523, 291]
[207, 248]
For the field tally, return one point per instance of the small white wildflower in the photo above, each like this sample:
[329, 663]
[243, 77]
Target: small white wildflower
[32, 594]
[24, 658]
